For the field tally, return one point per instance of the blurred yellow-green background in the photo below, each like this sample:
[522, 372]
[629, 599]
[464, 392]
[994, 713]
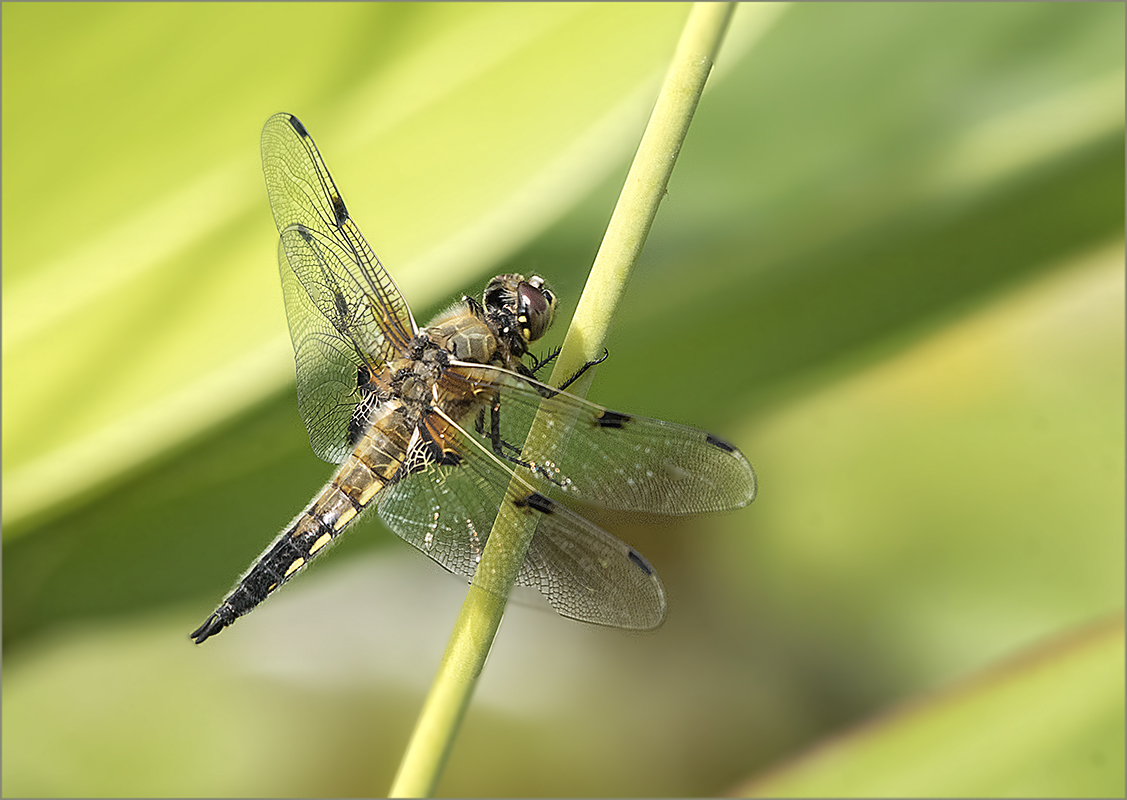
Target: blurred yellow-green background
[889, 267]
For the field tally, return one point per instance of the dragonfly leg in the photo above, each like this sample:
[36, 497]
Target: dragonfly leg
[540, 363]
[584, 368]
[508, 451]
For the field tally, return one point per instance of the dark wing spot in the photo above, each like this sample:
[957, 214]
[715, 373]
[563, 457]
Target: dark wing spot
[450, 459]
[717, 442]
[341, 306]
[537, 502]
[428, 452]
[643, 565]
[339, 210]
[358, 424]
[612, 419]
[295, 123]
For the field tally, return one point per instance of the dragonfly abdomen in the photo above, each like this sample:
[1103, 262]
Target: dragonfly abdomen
[291, 550]
[374, 462]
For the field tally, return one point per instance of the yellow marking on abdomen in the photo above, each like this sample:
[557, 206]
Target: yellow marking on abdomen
[294, 567]
[317, 545]
[370, 492]
[345, 515]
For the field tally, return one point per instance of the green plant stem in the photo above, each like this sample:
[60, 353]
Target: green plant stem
[508, 541]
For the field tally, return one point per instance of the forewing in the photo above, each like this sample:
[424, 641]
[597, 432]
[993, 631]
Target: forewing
[447, 512]
[343, 308]
[327, 363]
[620, 461]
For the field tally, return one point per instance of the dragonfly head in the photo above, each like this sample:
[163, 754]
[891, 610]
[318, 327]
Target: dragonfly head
[529, 304]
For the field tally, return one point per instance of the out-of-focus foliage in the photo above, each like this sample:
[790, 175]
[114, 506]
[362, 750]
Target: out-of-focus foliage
[889, 268]
[1049, 723]
[137, 239]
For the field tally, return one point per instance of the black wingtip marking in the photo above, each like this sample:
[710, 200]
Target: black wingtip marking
[718, 442]
[295, 123]
[643, 565]
[612, 419]
[339, 210]
[537, 502]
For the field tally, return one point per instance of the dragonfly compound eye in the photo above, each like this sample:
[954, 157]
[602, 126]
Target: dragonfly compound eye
[536, 307]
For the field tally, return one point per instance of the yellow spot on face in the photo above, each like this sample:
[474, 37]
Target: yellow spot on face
[344, 517]
[317, 545]
[294, 567]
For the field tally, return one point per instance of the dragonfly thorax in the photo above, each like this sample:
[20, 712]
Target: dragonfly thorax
[412, 378]
[463, 333]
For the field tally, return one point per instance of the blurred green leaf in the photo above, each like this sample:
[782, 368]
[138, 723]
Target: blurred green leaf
[141, 230]
[1047, 724]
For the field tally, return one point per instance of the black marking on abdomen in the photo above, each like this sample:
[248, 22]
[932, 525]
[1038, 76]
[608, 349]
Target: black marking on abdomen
[268, 573]
[718, 442]
[315, 528]
[274, 567]
[357, 506]
[612, 419]
[537, 502]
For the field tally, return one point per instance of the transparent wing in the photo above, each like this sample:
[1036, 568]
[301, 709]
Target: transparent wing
[620, 461]
[327, 363]
[343, 308]
[447, 511]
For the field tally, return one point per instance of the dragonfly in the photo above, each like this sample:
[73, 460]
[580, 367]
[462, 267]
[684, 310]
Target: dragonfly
[430, 426]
